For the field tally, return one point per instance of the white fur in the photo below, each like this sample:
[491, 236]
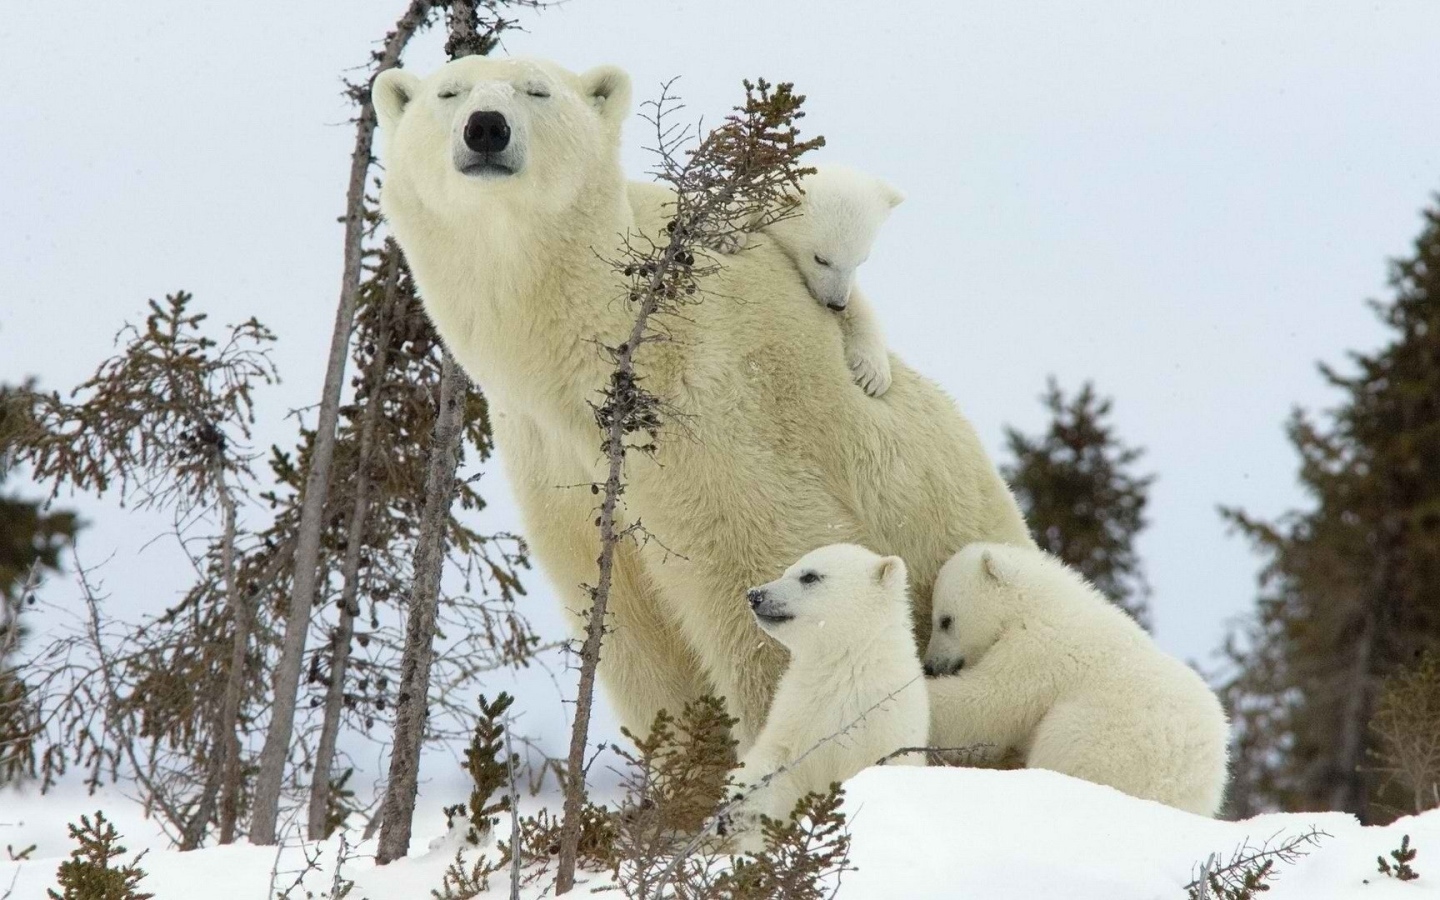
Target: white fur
[1049, 667]
[827, 235]
[854, 691]
[774, 453]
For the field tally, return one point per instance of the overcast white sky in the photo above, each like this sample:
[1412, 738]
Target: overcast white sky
[1187, 202]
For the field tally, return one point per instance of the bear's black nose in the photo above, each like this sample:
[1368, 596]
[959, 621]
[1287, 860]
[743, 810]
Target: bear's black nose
[755, 596]
[487, 132]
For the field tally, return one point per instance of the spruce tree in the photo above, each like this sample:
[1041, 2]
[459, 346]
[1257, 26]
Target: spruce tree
[1348, 592]
[31, 540]
[28, 533]
[92, 872]
[1084, 503]
[29, 536]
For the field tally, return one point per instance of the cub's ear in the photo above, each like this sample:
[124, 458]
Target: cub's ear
[391, 92]
[996, 568]
[890, 572]
[608, 88]
[891, 196]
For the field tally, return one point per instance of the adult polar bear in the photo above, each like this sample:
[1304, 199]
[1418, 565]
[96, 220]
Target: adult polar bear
[504, 188]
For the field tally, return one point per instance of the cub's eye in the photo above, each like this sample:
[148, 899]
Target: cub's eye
[946, 622]
[810, 577]
[448, 94]
[537, 91]
[822, 261]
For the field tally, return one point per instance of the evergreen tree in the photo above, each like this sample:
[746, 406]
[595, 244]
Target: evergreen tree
[1349, 589]
[92, 872]
[1078, 492]
[28, 534]
[31, 540]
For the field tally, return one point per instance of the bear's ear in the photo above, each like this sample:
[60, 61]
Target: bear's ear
[995, 568]
[890, 573]
[392, 90]
[608, 88]
[891, 196]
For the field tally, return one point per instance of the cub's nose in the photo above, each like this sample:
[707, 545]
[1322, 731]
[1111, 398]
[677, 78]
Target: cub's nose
[487, 132]
[943, 668]
[756, 596]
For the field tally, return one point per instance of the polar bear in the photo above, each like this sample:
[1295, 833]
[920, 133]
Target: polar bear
[827, 234]
[854, 691]
[1025, 655]
[504, 188]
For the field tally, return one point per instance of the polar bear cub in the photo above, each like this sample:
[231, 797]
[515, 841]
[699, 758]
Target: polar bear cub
[1025, 655]
[828, 234]
[854, 691]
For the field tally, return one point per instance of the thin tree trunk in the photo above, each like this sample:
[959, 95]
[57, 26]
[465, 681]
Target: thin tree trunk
[599, 601]
[231, 774]
[589, 664]
[270, 779]
[226, 740]
[229, 724]
[411, 700]
[411, 704]
[350, 568]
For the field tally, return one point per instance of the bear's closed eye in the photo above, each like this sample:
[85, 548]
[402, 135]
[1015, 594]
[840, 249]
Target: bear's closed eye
[946, 622]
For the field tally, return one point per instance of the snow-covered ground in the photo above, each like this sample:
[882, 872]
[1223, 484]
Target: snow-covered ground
[917, 833]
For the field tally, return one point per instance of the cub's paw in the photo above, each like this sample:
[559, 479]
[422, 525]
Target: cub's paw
[871, 367]
[741, 830]
[739, 824]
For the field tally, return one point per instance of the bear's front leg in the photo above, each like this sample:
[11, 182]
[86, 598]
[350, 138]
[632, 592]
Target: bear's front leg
[758, 796]
[645, 665]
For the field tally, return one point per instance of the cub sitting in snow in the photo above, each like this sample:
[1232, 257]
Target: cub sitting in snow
[854, 691]
[828, 234]
[1025, 655]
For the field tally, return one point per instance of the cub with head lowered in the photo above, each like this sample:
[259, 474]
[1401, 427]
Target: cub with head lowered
[827, 235]
[854, 691]
[1025, 655]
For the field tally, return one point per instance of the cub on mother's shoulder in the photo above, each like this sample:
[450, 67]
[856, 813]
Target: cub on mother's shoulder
[1026, 656]
[827, 234]
[854, 691]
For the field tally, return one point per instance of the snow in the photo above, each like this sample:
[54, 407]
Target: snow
[1029, 834]
[917, 833]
